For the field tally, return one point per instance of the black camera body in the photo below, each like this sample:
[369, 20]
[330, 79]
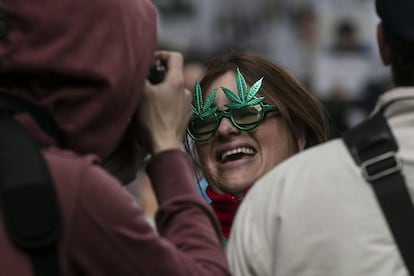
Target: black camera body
[158, 71]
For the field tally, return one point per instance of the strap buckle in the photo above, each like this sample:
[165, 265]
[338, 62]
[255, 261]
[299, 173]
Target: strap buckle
[381, 166]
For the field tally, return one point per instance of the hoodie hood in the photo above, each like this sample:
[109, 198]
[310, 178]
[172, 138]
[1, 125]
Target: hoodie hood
[83, 61]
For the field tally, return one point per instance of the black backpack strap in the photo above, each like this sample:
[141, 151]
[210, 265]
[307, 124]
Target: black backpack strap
[373, 148]
[28, 199]
[12, 104]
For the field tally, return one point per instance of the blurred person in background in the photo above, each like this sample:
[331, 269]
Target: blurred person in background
[341, 73]
[318, 213]
[248, 116]
[346, 39]
[141, 190]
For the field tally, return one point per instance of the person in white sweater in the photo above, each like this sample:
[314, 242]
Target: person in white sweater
[315, 214]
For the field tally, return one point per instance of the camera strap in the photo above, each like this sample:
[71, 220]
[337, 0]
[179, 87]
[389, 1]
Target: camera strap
[374, 149]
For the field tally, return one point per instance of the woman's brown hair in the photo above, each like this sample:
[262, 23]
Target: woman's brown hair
[302, 112]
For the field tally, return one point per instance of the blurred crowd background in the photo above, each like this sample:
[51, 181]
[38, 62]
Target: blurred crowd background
[329, 45]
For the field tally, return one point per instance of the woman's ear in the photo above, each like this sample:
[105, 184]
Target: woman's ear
[384, 48]
[301, 142]
[300, 137]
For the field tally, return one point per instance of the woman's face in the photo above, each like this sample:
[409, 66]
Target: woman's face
[234, 159]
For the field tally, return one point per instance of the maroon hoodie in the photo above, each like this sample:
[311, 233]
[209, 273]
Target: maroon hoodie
[85, 62]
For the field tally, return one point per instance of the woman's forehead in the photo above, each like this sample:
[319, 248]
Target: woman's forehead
[221, 99]
[227, 80]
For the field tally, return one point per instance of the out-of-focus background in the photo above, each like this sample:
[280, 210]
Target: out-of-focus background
[329, 45]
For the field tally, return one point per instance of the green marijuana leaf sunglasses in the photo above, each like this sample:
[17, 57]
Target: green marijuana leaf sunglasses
[245, 110]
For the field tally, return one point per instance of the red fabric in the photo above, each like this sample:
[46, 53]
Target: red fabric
[83, 61]
[86, 62]
[106, 232]
[225, 206]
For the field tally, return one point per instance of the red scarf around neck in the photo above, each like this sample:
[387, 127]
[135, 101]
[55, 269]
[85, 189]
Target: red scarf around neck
[225, 206]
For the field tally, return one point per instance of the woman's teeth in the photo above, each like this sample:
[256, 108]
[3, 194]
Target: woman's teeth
[243, 150]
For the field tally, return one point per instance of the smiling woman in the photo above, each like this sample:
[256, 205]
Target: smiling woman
[248, 116]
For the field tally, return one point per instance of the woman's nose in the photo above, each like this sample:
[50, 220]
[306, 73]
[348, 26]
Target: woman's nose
[226, 129]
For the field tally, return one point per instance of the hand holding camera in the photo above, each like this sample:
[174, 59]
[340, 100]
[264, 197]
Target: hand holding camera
[165, 108]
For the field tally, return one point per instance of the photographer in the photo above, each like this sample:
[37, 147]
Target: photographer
[83, 65]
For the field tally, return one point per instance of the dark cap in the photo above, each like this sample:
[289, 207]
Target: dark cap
[397, 16]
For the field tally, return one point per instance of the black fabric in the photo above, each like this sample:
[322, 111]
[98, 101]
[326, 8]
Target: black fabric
[45, 261]
[397, 16]
[10, 104]
[28, 199]
[373, 148]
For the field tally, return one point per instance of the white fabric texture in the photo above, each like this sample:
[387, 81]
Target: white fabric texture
[315, 215]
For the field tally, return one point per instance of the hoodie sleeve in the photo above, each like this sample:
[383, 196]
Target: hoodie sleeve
[111, 235]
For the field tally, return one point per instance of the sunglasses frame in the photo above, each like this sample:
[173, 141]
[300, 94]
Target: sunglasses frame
[220, 114]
